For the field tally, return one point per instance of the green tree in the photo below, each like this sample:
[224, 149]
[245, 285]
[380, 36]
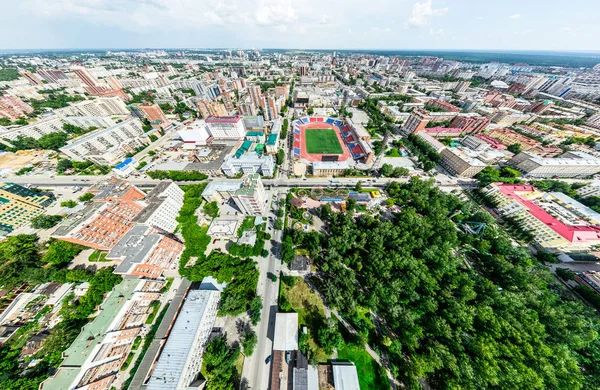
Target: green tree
[61, 252]
[515, 148]
[329, 336]
[86, 197]
[53, 141]
[64, 165]
[280, 156]
[68, 203]
[249, 340]
[45, 221]
[211, 209]
[256, 306]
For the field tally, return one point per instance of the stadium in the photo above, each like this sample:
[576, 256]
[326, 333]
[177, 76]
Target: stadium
[319, 139]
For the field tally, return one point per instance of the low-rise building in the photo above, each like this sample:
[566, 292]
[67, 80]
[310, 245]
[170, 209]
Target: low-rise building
[145, 252]
[108, 146]
[575, 164]
[18, 205]
[555, 220]
[329, 168]
[94, 359]
[248, 163]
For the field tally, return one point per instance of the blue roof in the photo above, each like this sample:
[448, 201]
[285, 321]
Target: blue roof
[124, 163]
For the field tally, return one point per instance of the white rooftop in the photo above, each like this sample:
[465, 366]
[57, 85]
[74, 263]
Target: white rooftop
[286, 332]
[345, 376]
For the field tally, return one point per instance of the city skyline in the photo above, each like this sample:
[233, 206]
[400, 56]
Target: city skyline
[379, 24]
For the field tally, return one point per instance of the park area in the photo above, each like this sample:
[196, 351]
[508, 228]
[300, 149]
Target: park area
[322, 141]
[297, 296]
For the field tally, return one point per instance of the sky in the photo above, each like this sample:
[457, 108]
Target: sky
[307, 24]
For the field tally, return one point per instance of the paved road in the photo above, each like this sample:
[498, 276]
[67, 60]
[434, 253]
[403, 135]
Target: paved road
[255, 370]
[578, 266]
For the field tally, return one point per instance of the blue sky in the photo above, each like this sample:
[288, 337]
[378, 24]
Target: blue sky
[312, 24]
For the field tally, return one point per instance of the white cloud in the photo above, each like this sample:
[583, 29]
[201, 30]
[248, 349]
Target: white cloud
[436, 32]
[515, 16]
[423, 12]
[381, 30]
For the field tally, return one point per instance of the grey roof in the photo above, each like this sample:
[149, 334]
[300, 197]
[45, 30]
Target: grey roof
[75, 219]
[110, 188]
[345, 376]
[133, 248]
[172, 360]
[154, 200]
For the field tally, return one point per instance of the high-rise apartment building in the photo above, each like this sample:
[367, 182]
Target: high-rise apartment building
[470, 124]
[108, 146]
[251, 197]
[33, 79]
[256, 95]
[162, 207]
[417, 121]
[270, 108]
[105, 221]
[52, 75]
[226, 127]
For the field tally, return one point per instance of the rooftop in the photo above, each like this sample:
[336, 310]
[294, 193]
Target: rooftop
[133, 248]
[578, 233]
[345, 376]
[174, 356]
[286, 332]
[91, 335]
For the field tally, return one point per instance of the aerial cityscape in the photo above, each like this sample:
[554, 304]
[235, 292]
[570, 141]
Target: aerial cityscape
[345, 216]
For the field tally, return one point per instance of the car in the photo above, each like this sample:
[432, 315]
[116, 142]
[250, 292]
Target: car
[215, 240]
[268, 359]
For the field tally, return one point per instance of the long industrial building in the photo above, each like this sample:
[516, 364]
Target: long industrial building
[180, 360]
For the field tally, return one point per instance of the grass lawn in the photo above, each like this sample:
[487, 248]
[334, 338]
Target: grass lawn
[97, 256]
[369, 372]
[322, 141]
[311, 313]
[393, 153]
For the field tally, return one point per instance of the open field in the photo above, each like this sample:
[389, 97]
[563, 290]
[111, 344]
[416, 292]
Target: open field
[297, 297]
[369, 372]
[322, 141]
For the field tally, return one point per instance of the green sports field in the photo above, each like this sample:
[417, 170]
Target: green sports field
[322, 141]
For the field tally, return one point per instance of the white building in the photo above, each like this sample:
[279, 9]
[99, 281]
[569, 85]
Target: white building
[108, 146]
[86, 122]
[251, 197]
[102, 106]
[180, 360]
[329, 168]
[249, 163]
[226, 127]
[572, 164]
[34, 130]
[163, 205]
[194, 134]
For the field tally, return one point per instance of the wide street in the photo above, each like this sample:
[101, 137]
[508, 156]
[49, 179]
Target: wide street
[255, 370]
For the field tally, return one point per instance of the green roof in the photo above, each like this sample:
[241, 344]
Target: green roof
[260, 147]
[272, 139]
[255, 134]
[91, 335]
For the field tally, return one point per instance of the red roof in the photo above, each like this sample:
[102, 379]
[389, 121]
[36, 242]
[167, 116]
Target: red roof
[571, 233]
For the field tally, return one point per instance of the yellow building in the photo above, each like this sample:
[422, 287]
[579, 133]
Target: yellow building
[18, 205]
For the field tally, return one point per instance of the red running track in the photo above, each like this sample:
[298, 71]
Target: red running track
[319, 157]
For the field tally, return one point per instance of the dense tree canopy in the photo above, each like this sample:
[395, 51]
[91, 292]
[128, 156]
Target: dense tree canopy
[500, 325]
